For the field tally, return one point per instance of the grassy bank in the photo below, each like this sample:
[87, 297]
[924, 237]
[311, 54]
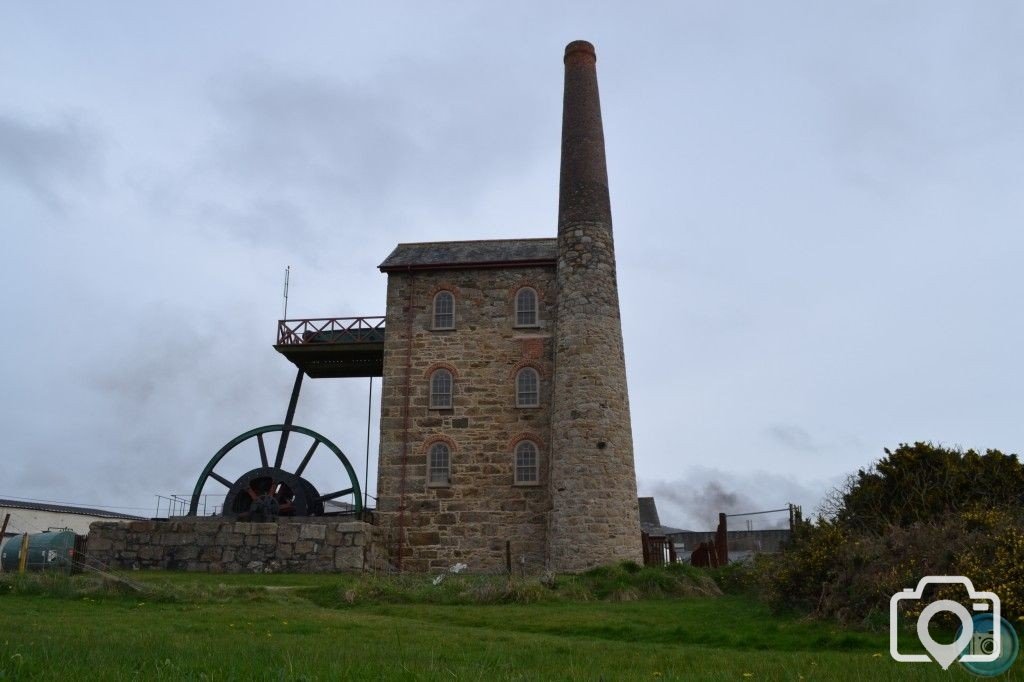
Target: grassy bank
[286, 627]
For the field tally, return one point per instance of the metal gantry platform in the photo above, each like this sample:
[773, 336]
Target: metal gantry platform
[334, 346]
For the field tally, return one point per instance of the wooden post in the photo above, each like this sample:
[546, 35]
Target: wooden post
[23, 555]
[722, 540]
[3, 532]
[508, 561]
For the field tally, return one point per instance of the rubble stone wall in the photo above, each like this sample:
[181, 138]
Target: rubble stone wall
[226, 546]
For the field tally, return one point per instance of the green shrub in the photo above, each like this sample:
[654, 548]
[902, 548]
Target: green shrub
[920, 510]
[739, 577]
[994, 557]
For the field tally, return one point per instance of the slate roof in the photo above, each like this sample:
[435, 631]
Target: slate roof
[648, 512]
[469, 254]
[649, 521]
[65, 509]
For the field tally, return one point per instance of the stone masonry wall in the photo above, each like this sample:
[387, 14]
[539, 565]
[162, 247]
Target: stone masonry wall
[220, 545]
[471, 519]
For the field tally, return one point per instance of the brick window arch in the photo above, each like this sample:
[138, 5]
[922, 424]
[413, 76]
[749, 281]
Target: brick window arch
[527, 387]
[443, 315]
[527, 463]
[439, 464]
[441, 384]
[526, 313]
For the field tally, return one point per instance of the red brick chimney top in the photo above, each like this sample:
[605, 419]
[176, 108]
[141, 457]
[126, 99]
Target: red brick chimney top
[580, 52]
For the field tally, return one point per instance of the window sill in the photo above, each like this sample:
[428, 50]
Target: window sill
[441, 329]
[527, 407]
[536, 325]
[441, 408]
[526, 484]
[439, 485]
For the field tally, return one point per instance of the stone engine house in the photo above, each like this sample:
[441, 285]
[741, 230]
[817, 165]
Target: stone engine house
[505, 426]
[505, 412]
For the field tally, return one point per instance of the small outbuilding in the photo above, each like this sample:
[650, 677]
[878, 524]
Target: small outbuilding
[36, 517]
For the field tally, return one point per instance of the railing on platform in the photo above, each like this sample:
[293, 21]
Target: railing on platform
[330, 330]
[213, 505]
[177, 505]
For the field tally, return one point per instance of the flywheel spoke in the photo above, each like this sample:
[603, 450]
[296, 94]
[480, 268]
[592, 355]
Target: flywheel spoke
[263, 450]
[336, 494]
[305, 460]
[220, 479]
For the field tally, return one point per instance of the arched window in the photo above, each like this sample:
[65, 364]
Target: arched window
[441, 390]
[444, 310]
[527, 388]
[527, 466]
[526, 307]
[439, 465]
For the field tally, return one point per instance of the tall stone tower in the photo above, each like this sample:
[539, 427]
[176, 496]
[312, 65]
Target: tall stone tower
[594, 517]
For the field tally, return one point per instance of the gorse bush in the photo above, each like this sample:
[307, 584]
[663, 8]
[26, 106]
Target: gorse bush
[994, 557]
[922, 483]
[921, 510]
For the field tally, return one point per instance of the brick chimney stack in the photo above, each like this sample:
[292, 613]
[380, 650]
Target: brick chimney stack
[583, 184]
[594, 518]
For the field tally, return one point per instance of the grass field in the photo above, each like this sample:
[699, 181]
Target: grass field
[292, 627]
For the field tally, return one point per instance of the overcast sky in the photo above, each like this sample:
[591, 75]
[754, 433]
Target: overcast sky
[817, 209]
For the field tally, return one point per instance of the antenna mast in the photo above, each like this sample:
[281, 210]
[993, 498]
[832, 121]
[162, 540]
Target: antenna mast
[287, 272]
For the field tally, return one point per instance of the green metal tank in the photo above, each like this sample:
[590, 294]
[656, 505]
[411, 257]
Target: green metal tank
[51, 550]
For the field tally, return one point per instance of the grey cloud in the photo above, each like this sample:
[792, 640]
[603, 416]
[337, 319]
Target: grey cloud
[48, 160]
[263, 222]
[179, 387]
[370, 146]
[292, 132]
[793, 437]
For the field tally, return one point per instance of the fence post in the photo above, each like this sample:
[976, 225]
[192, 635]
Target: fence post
[23, 554]
[722, 540]
[3, 532]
